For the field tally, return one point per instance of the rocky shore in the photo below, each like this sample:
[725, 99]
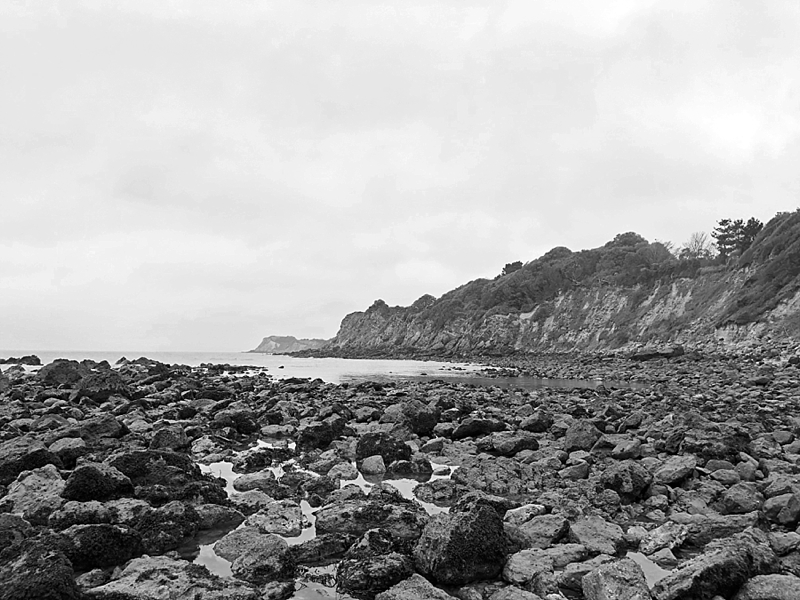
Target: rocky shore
[148, 481]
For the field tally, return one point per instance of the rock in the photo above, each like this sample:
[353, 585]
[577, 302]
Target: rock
[618, 580]
[100, 545]
[373, 465]
[160, 577]
[545, 530]
[366, 577]
[524, 567]
[597, 535]
[476, 426]
[214, 516]
[420, 418]
[470, 500]
[523, 514]
[270, 560]
[741, 498]
[415, 587]
[508, 443]
[101, 385]
[164, 528]
[628, 478]
[455, 549]
[770, 587]
[282, 517]
[68, 450]
[512, 592]
[404, 519]
[100, 427]
[539, 422]
[721, 569]
[670, 535]
[171, 437]
[24, 453]
[60, 372]
[383, 445]
[704, 528]
[783, 509]
[79, 513]
[580, 470]
[572, 576]
[321, 548]
[13, 529]
[35, 494]
[35, 569]
[581, 435]
[96, 481]
[675, 469]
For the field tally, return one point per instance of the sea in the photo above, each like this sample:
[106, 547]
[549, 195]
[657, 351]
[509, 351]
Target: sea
[332, 370]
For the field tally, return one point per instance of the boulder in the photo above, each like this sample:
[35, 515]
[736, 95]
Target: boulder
[382, 444]
[36, 569]
[366, 577]
[508, 443]
[96, 481]
[100, 427]
[616, 580]
[455, 549]
[597, 535]
[160, 577]
[282, 517]
[171, 437]
[35, 494]
[628, 478]
[476, 426]
[581, 435]
[69, 450]
[24, 453]
[675, 469]
[544, 531]
[100, 545]
[164, 528]
[61, 372]
[770, 587]
[101, 385]
[415, 587]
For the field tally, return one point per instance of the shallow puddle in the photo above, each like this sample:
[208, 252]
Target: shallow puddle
[652, 572]
[313, 583]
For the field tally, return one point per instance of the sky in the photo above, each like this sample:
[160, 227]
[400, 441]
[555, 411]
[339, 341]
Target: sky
[196, 175]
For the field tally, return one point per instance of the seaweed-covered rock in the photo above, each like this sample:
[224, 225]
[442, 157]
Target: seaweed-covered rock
[96, 481]
[36, 569]
[24, 453]
[100, 545]
[379, 443]
[366, 577]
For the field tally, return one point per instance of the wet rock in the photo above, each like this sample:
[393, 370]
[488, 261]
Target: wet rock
[322, 548]
[35, 569]
[366, 577]
[282, 517]
[597, 535]
[100, 545]
[628, 478]
[721, 569]
[269, 561]
[316, 434]
[24, 453]
[617, 580]
[35, 494]
[160, 577]
[214, 516]
[675, 469]
[455, 549]
[770, 587]
[581, 435]
[416, 587]
[96, 481]
[383, 445]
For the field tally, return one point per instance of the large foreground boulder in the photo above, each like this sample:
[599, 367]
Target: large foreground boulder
[459, 548]
[160, 577]
[35, 568]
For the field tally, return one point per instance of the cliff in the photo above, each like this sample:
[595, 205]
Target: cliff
[284, 344]
[626, 293]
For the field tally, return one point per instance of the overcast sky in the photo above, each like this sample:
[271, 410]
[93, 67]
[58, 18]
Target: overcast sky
[187, 175]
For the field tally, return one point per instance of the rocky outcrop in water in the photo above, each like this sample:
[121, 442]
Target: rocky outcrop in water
[686, 486]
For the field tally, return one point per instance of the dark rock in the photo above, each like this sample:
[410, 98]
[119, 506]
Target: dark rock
[628, 478]
[459, 548]
[389, 448]
[103, 426]
[476, 426]
[322, 548]
[366, 577]
[96, 481]
[508, 443]
[69, 450]
[24, 454]
[171, 437]
[164, 528]
[539, 422]
[61, 372]
[101, 385]
[35, 569]
[617, 580]
[101, 545]
[581, 435]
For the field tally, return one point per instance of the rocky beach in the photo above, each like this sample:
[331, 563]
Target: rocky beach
[143, 480]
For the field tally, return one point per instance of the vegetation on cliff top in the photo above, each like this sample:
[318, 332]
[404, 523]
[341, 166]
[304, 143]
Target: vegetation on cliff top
[771, 254]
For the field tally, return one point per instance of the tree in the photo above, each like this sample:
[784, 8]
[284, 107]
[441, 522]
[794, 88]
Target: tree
[735, 236]
[698, 246]
[511, 267]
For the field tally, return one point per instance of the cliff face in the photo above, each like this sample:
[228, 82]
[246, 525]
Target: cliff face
[628, 292]
[278, 344]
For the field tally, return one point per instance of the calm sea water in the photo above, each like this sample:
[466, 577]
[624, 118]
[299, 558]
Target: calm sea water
[332, 370]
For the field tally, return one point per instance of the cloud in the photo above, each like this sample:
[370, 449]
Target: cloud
[196, 175]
